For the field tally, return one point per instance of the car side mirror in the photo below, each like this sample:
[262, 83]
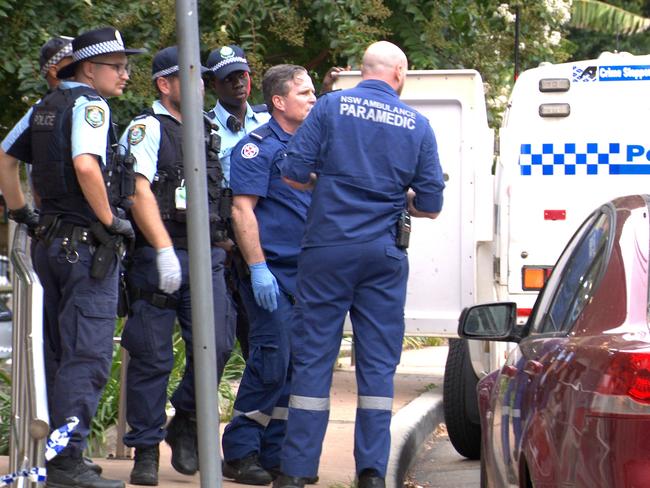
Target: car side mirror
[490, 321]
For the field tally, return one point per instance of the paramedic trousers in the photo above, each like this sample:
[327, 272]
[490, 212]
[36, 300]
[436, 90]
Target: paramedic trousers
[368, 280]
[260, 411]
[79, 323]
[148, 336]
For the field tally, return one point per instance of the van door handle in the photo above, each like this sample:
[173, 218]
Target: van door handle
[533, 367]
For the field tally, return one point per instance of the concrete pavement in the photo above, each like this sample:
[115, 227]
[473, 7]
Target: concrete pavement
[417, 409]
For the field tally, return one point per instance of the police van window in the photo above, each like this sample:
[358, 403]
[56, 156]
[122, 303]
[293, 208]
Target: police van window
[575, 277]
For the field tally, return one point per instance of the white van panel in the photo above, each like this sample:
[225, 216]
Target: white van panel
[574, 163]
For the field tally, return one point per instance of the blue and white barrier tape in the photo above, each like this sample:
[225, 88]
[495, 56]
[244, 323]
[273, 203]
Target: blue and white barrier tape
[56, 442]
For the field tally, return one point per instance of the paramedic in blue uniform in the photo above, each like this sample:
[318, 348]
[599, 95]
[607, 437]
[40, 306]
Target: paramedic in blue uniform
[368, 156]
[69, 143]
[159, 281]
[269, 219]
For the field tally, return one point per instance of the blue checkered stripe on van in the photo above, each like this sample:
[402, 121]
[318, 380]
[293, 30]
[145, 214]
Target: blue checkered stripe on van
[577, 159]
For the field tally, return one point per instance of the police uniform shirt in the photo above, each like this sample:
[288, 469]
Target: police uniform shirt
[89, 134]
[281, 211]
[20, 127]
[142, 136]
[229, 139]
[367, 148]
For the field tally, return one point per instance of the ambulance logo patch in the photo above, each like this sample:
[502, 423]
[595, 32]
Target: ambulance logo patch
[249, 151]
[136, 134]
[94, 116]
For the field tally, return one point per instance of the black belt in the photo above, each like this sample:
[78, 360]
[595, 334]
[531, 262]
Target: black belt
[156, 299]
[76, 234]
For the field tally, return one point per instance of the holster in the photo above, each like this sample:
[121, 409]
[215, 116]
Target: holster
[109, 246]
[47, 229]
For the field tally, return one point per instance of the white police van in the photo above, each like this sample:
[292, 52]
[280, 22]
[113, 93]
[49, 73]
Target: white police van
[573, 136]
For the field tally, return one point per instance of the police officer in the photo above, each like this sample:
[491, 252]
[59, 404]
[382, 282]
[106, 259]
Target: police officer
[362, 149]
[229, 78]
[159, 279]
[69, 142]
[55, 55]
[269, 218]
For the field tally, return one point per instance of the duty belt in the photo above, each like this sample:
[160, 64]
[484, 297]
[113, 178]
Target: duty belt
[160, 300]
[74, 234]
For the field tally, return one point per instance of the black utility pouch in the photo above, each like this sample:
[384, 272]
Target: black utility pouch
[403, 230]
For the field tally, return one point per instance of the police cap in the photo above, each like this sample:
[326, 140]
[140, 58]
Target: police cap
[165, 63]
[227, 59]
[97, 42]
[54, 51]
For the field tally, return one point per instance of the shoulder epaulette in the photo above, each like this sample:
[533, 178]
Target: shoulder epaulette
[261, 132]
[147, 112]
[260, 108]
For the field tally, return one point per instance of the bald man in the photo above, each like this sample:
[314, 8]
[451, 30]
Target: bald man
[371, 161]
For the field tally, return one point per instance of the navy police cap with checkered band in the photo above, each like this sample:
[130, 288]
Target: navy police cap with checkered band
[97, 42]
[226, 60]
[165, 63]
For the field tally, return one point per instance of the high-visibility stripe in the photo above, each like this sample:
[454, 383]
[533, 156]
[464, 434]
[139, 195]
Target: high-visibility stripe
[374, 403]
[280, 413]
[309, 403]
[256, 415]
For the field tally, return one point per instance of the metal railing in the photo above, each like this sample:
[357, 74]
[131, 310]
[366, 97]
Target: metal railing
[30, 420]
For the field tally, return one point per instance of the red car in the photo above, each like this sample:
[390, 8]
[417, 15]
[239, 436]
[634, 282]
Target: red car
[571, 406]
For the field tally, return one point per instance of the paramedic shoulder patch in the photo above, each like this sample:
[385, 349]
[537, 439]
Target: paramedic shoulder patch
[136, 134]
[95, 116]
[249, 151]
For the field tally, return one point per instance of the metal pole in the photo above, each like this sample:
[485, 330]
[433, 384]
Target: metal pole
[205, 358]
[517, 42]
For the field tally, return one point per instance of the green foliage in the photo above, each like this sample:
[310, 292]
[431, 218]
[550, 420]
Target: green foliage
[606, 18]
[5, 409]
[418, 342]
[316, 34]
[588, 42]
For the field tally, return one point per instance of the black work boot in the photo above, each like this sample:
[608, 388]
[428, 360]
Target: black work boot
[181, 437]
[73, 472]
[92, 465]
[284, 481]
[145, 466]
[247, 470]
[276, 471]
[369, 478]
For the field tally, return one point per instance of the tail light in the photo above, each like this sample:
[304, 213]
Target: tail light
[533, 278]
[628, 374]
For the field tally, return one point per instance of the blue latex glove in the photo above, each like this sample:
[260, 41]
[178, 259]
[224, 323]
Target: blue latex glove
[265, 286]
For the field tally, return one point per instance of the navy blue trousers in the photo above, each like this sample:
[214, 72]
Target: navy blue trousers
[368, 280]
[79, 322]
[148, 338]
[259, 421]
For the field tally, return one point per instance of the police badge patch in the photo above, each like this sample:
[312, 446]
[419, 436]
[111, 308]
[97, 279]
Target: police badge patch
[137, 133]
[95, 116]
[249, 151]
[226, 52]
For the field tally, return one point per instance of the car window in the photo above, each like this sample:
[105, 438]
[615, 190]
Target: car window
[574, 277]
